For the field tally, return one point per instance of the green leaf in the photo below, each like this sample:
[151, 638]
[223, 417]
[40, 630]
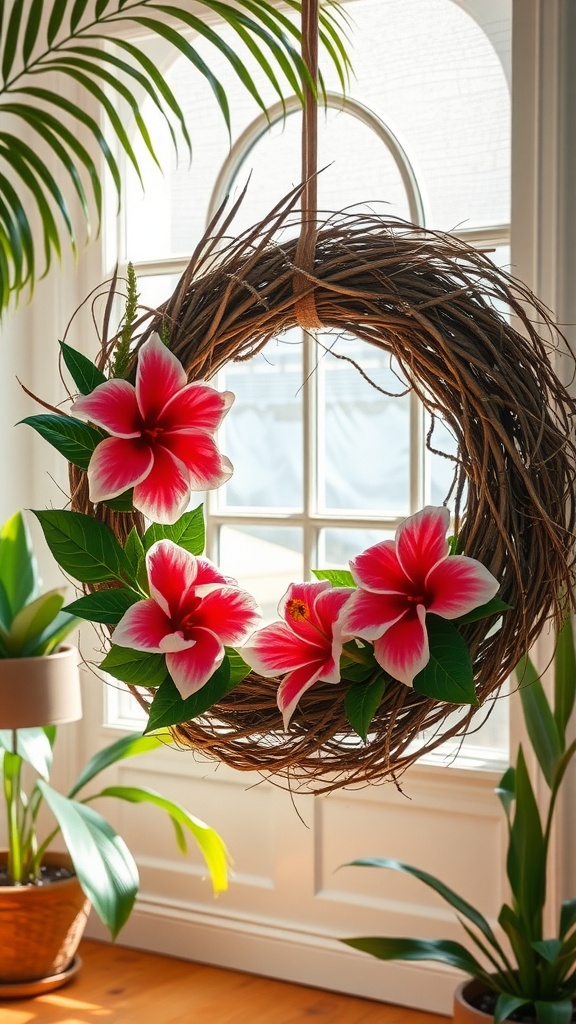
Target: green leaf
[506, 790]
[494, 607]
[5, 609]
[131, 745]
[169, 708]
[53, 636]
[448, 676]
[451, 897]
[548, 949]
[526, 862]
[209, 842]
[32, 26]
[84, 373]
[513, 927]
[123, 503]
[567, 917]
[540, 722]
[103, 863]
[76, 16]
[187, 532]
[74, 440]
[18, 569]
[56, 16]
[506, 1004]
[107, 606]
[83, 546]
[361, 703]
[33, 746]
[10, 41]
[135, 554]
[337, 577]
[140, 668]
[32, 620]
[444, 951]
[557, 1012]
[564, 677]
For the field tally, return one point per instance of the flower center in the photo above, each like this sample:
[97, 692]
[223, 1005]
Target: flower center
[297, 609]
[415, 598]
[188, 621]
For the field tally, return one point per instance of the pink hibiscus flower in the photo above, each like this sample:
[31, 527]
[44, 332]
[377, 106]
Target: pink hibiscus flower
[400, 581]
[161, 443]
[193, 610]
[306, 646]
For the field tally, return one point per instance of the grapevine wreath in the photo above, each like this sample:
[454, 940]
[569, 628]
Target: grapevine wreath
[433, 303]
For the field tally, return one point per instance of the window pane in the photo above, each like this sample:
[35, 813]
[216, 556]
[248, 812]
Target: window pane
[364, 433]
[338, 546]
[262, 435]
[264, 560]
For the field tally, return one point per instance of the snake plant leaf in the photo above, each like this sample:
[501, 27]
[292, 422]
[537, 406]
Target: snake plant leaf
[443, 951]
[506, 1004]
[513, 927]
[50, 640]
[567, 917]
[506, 791]
[103, 863]
[527, 875]
[557, 1012]
[209, 842]
[564, 676]
[540, 722]
[548, 949]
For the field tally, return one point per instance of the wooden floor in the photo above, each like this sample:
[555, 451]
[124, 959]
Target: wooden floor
[122, 986]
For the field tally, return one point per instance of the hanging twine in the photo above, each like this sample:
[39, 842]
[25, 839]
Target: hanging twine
[304, 282]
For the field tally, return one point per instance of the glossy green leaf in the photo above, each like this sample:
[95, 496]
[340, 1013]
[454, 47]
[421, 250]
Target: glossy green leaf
[6, 614]
[74, 439]
[361, 703]
[10, 40]
[506, 790]
[53, 636]
[447, 894]
[443, 951]
[106, 606]
[506, 1004]
[188, 532]
[12, 146]
[337, 577]
[159, 84]
[18, 569]
[136, 667]
[513, 927]
[32, 27]
[134, 549]
[526, 861]
[548, 949]
[557, 1012]
[564, 677]
[32, 745]
[210, 844]
[540, 722]
[31, 621]
[55, 21]
[103, 863]
[494, 607]
[84, 373]
[567, 917]
[130, 745]
[83, 546]
[169, 708]
[448, 676]
[76, 15]
[12, 157]
[123, 503]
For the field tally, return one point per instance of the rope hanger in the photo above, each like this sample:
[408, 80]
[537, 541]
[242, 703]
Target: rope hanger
[305, 308]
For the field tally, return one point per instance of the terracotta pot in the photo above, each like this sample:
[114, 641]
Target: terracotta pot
[40, 926]
[464, 1012]
[40, 691]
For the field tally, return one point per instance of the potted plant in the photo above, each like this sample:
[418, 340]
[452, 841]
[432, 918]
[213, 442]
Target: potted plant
[45, 897]
[532, 976]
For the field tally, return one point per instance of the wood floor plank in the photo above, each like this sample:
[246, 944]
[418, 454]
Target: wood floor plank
[124, 986]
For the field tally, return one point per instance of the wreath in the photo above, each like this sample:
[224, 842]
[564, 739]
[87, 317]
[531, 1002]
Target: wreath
[435, 305]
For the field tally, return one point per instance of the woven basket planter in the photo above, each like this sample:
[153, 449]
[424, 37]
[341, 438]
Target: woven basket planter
[430, 301]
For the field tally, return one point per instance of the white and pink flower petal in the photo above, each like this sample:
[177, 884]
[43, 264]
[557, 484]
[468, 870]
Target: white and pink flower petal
[159, 376]
[369, 615]
[191, 669]
[292, 687]
[458, 585]
[198, 451]
[378, 569]
[207, 572]
[143, 626]
[171, 573]
[275, 649]
[116, 465]
[197, 405]
[421, 541]
[329, 606]
[164, 494]
[298, 608]
[403, 649]
[113, 406]
[232, 614]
